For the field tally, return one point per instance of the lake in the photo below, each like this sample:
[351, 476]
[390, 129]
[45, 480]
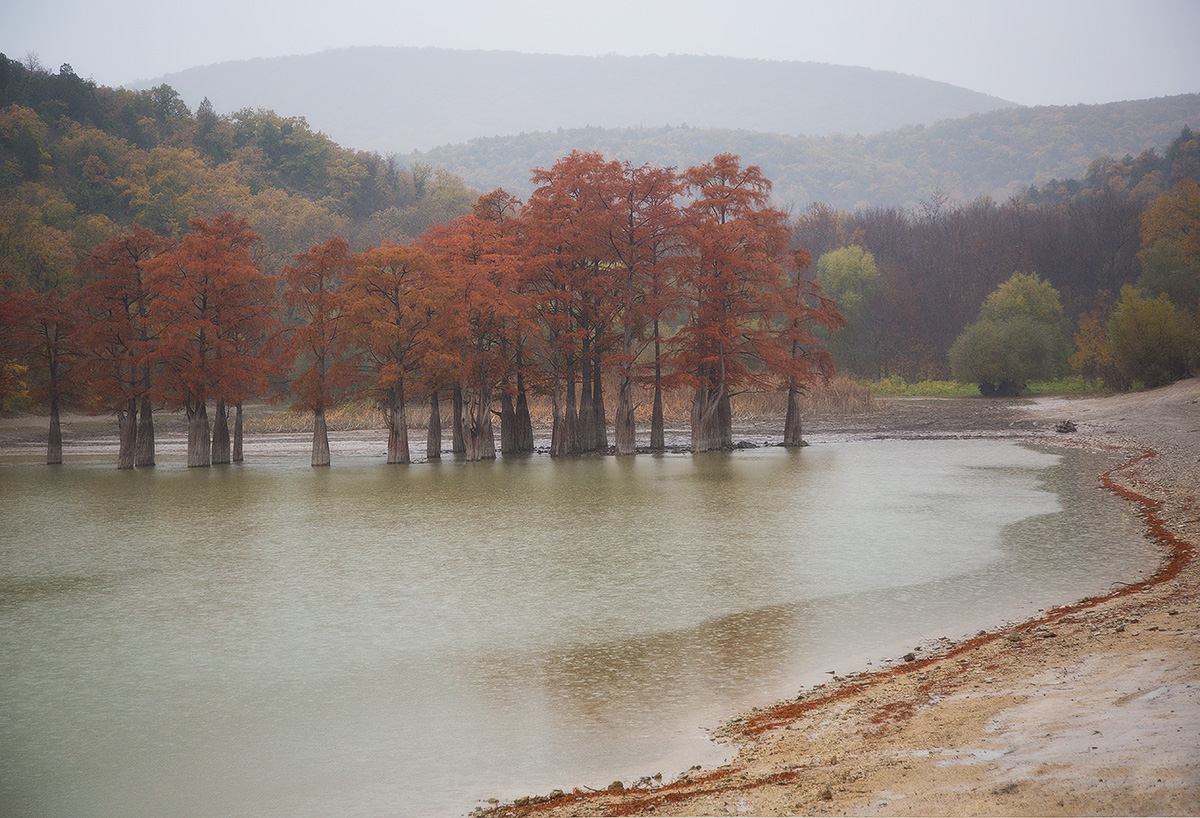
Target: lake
[272, 640]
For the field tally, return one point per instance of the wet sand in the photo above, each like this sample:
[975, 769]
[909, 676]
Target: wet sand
[1092, 708]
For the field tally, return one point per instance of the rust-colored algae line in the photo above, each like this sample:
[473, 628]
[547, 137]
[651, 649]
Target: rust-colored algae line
[1179, 554]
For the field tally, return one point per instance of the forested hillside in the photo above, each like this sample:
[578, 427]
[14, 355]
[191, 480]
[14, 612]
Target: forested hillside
[80, 162]
[995, 154]
[404, 99]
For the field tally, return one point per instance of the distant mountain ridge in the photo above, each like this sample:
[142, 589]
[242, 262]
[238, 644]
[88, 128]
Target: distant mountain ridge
[997, 154]
[397, 100]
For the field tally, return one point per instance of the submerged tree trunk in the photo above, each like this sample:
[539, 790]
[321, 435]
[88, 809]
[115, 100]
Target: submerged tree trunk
[658, 442]
[481, 439]
[625, 428]
[320, 447]
[144, 450]
[220, 444]
[54, 439]
[558, 423]
[458, 443]
[571, 418]
[127, 433]
[791, 424]
[433, 434]
[397, 451]
[587, 407]
[599, 417]
[524, 422]
[237, 432]
[658, 439]
[706, 420]
[508, 425]
[725, 421]
[199, 451]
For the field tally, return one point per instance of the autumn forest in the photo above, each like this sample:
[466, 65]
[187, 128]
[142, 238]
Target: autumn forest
[154, 257]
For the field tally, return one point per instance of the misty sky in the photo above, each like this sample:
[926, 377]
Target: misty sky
[1033, 52]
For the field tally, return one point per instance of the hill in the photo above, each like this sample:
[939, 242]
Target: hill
[405, 99]
[997, 154]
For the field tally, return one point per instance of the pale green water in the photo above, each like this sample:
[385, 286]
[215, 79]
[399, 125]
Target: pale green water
[273, 640]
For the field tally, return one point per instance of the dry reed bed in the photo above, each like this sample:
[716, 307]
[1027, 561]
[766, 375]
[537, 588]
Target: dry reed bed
[841, 396]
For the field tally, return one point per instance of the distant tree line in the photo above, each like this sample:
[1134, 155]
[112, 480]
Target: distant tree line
[661, 278]
[910, 281]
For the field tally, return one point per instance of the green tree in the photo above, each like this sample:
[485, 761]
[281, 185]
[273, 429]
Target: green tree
[1166, 272]
[1093, 353]
[1020, 336]
[850, 277]
[1024, 295]
[1150, 340]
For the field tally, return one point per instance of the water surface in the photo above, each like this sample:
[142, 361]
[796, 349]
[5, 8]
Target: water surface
[274, 640]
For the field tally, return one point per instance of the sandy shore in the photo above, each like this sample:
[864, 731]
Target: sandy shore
[1091, 709]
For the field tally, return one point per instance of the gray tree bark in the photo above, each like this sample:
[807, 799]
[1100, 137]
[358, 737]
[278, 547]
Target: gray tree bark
[237, 433]
[220, 443]
[508, 424]
[625, 428]
[599, 441]
[127, 432]
[320, 447]
[433, 436]
[397, 452]
[199, 450]
[792, 431]
[524, 421]
[144, 451]
[458, 442]
[54, 444]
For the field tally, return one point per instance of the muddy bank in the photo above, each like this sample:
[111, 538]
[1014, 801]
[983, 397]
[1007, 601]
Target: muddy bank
[1092, 708]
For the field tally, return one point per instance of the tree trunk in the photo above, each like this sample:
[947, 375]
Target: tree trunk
[658, 440]
[397, 451]
[587, 407]
[599, 416]
[458, 443]
[144, 451]
[558, 424]
[220, 444]
[625, 428]
[54, 440]
[127, 432]
[237, 433]
[524, 422]
[481, 440]
[508, 425]
[571, 418]
[791, 425]
[433, 435]
[725, 420]
[199, 453]
[706, 424]
[320, 447]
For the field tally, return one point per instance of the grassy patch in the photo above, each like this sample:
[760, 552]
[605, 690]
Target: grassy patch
[1073, 385]
[897, 387]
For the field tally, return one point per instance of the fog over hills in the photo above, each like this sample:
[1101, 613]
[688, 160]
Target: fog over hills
[397, 100]
[997, 154]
